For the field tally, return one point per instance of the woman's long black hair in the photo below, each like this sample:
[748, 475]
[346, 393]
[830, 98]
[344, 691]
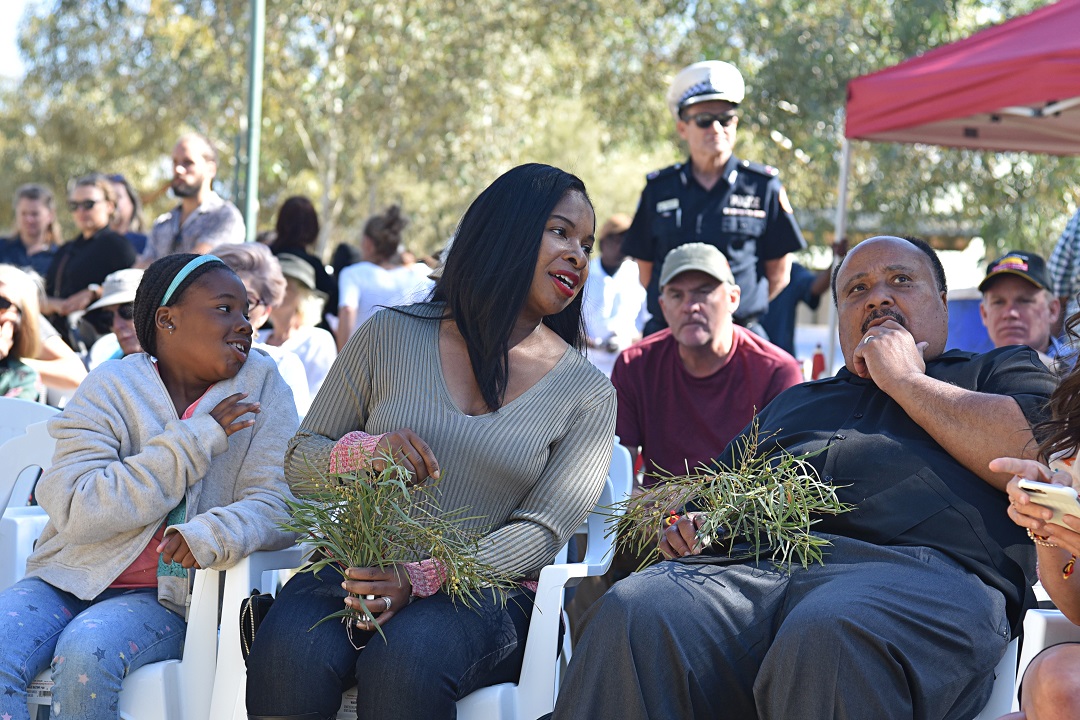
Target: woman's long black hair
[490, 266]
[1062, 431]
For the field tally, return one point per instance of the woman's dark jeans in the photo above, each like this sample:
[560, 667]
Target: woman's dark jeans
[435, 653]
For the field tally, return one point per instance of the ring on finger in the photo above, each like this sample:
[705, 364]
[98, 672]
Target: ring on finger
[387, 602]
[868, 338]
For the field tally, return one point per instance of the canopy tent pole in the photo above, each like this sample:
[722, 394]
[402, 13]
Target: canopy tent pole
[254, 120]
[841, 232]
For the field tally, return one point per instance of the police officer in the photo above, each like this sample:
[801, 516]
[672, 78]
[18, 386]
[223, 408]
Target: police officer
[716, 198]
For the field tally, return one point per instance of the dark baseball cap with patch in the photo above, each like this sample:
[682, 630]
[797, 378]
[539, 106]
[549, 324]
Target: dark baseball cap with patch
[1027, 265]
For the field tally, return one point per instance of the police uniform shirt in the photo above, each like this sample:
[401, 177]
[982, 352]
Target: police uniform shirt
[746, 215]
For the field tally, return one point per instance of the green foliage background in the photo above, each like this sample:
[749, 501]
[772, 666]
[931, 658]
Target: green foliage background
[424, 102]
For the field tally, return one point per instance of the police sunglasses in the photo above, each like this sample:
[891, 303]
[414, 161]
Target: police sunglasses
[705, 120]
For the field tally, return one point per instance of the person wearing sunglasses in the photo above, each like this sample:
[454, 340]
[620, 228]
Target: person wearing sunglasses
[74, 279]
[715, 198]
[114, 317]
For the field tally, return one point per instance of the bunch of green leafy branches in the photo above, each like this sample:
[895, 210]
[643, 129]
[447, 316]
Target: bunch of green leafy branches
[365, 518]
[760, 506]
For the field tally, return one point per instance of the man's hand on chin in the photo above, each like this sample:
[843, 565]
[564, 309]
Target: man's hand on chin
[888, 355]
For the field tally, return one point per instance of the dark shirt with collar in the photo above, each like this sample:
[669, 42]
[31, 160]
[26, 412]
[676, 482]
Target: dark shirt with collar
[80, 263]
[746, 215]
[906, 488]
[87, 260]
[13, 252]
[84, 260]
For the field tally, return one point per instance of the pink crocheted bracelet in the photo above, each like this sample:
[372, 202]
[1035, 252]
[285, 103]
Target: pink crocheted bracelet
[353, 451]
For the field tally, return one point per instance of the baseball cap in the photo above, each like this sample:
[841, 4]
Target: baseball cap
[696, 256]
[1029, 266]
[300, 270]
[119, 288]
[703, 81]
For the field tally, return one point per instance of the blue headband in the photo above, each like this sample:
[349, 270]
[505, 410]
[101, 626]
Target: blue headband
[184, 272]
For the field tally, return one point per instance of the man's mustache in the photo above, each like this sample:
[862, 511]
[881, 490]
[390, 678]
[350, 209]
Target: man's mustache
[883, 312]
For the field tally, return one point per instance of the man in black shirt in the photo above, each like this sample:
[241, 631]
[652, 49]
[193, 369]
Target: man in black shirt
[715, 198]
[926, 579]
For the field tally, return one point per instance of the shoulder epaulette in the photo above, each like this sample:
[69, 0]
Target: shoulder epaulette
[663, 172]
[760, 168]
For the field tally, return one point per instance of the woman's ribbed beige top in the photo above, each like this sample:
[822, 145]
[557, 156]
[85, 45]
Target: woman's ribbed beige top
[532, 470]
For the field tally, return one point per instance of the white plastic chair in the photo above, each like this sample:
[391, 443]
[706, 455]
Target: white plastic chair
[173, 689]
[534, 693]
[1004, 693]
[184, 689]
[30, 449]
[258, 571]
[17, 414]
[22, 458]
[1043, 629]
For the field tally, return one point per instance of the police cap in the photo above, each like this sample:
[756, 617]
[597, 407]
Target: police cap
[703, 81]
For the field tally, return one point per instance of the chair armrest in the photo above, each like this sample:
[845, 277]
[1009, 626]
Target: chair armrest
[254, 565]
[569, 574]
[1042, 629]
[20, 528]
[196, 669]
[541, 647]
[240, 580]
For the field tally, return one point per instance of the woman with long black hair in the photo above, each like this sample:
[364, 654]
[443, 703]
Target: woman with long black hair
[486, 381]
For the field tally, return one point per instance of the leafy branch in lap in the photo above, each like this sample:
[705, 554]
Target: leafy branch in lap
[763, 506]
[368, 518]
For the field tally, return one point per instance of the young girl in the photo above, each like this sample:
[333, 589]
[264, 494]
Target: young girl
[486, 382]
[165, 461]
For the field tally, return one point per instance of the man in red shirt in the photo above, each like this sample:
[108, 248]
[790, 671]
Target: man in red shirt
[687, 390]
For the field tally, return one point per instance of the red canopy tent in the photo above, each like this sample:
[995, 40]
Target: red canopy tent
[1014, 86]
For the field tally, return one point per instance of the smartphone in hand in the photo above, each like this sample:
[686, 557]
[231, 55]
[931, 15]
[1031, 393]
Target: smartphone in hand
[1062, 500]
